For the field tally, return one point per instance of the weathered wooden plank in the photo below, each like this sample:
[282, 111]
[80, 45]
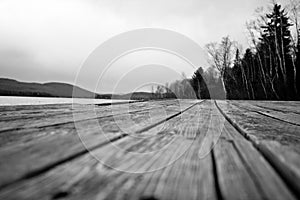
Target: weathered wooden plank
[83, 112]
[20, 131]
[106, 178]
[49, 151]
[154, 185]
[283, 106]
[241, 168]
[116, 184]
[284, 117]
[267, 181]
[234, 180]
[46, 128]
[180, 147]
[30, 108]
[263, 128]
[190, 177]
[282, 161]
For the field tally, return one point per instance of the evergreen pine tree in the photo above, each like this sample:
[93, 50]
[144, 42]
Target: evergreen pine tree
[276, 43]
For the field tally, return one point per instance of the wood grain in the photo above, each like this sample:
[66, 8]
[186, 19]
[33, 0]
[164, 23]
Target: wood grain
[176, 149]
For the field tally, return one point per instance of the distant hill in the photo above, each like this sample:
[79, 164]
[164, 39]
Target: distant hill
[10, 87]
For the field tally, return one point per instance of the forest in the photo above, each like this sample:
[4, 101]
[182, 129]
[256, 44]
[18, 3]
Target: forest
[268, 69]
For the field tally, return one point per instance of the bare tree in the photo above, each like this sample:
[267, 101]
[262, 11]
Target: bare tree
[221, 55]
[267, 77]
[159, 91]
[294, 8]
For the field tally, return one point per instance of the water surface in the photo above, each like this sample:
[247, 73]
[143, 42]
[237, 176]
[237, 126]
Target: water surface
[14, 100]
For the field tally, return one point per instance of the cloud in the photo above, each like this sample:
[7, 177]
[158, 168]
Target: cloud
[52, 38]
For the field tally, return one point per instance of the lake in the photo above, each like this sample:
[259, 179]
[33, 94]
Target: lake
[14, 100]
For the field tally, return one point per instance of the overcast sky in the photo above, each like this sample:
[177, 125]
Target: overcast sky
[48, 40]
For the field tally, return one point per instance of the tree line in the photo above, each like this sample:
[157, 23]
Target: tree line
[269, 69]
[204, 84]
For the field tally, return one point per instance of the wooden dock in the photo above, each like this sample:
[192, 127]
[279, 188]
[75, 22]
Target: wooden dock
[173, 149]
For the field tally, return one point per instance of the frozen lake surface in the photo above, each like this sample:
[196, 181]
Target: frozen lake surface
[13, 100]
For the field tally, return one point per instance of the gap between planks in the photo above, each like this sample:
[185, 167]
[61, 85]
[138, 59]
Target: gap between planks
[288, 175]
[52, 165]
